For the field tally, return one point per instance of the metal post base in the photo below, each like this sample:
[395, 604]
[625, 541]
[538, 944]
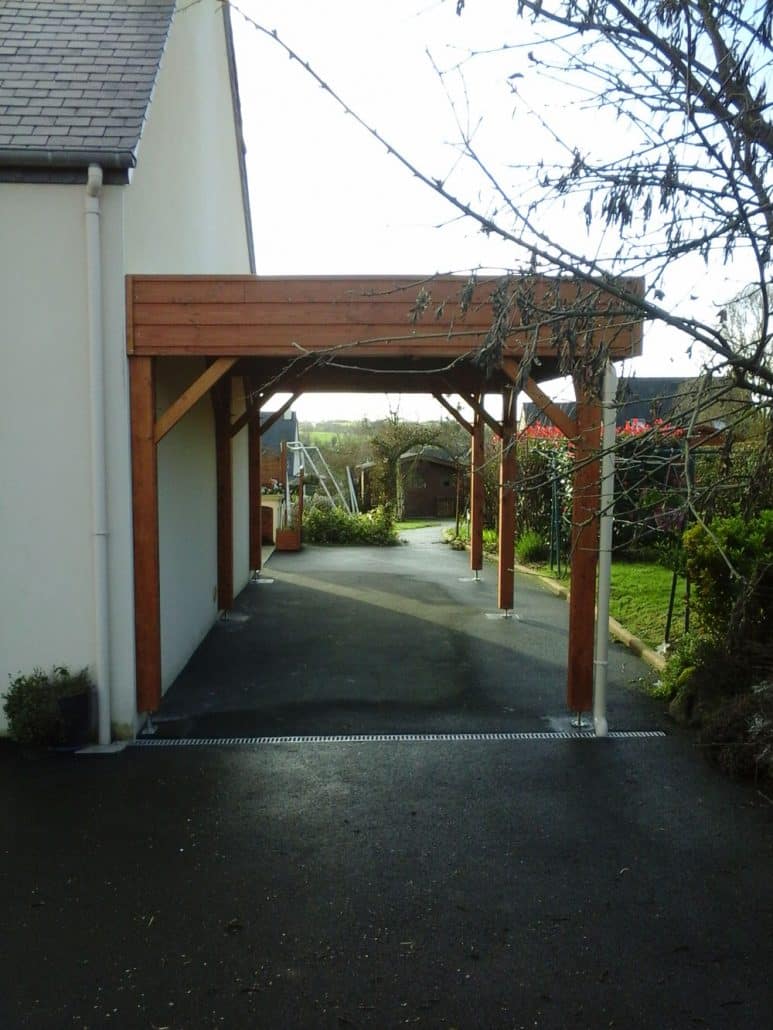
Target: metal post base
[102, 749]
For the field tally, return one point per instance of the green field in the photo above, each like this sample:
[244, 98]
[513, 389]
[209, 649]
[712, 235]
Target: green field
[319, 437]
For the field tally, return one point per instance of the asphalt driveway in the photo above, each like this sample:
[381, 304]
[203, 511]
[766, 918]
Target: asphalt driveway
[534, 881]
[388, 640]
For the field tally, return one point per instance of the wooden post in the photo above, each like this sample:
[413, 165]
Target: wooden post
[221, 402]
[147, 593]
[254, 475]
[585, 552]
[507, 473]
[476, 495]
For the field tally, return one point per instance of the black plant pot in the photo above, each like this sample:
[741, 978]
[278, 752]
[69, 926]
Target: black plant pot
[75, 712]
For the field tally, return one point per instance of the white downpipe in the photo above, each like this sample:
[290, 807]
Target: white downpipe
[607, 500]
[98, 450]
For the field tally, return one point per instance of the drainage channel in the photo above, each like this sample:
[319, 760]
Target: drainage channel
[386, 738]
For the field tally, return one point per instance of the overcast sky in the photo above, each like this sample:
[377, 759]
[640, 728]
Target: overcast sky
[328, 199]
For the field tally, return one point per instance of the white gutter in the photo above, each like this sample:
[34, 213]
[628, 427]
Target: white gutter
[606, 500]
[98, 450]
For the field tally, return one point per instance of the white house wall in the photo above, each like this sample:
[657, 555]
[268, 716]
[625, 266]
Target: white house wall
[46, 591]
[119, 500]
[241, 493]
[184, 208]
[187, 519]
[183, 214]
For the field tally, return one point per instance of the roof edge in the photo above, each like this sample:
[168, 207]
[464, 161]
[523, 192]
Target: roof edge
[239, 131]
[46, 158]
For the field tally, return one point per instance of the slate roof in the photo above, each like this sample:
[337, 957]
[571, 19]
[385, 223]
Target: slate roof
[430, 453]
[284, 430]
[639, 397]
[76, 78]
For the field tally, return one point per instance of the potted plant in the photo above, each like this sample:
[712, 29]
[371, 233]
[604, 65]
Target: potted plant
[288, 538]
[50, 708]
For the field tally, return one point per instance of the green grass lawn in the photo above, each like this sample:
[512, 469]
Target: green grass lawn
[639, 599]
[414, 524]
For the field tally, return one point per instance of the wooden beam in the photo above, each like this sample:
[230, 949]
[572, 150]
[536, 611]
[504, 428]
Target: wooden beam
[245, 419]
[254, 401]
[585, 552]
[476, 495]
[283, 316]
[478, 407]
[557, 416]
[254, 478]
[276, 415]
[453, 412]
[147, 590]
[507, 472]
[221, 402]
[194, 393]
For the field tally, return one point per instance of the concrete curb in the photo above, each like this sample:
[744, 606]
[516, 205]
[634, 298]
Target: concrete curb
[620, 633]
[638, 647]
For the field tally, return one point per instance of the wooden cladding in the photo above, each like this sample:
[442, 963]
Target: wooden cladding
[380, 317]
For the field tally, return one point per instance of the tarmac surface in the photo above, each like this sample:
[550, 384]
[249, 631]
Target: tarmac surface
[535, 881]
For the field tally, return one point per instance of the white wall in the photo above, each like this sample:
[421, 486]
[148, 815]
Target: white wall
[184, 209]
[119, 500]
[183, 214]
[46, 587]
[241, 493]
[46, 595]
[187, 517]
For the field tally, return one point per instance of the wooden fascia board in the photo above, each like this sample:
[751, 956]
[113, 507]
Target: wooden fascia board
[282, 317]
[194, 393]
[452, 411]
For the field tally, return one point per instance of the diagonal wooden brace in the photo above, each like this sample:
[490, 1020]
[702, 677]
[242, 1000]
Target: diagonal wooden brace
[189, 397]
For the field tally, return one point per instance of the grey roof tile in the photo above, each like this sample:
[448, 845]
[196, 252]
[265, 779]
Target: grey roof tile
[78, 74]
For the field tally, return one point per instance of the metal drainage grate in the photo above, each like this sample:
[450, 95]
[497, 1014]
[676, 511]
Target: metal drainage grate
[383, 738]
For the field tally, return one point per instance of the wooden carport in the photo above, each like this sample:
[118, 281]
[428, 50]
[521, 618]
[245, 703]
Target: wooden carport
[445, 336]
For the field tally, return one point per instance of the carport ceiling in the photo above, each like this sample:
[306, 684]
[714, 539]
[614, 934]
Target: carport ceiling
[406, 334]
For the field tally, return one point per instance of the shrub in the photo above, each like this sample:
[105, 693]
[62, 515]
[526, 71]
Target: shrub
[730, 564]
[32, 703]
[324, 523]
[700, 676]
[531, 547]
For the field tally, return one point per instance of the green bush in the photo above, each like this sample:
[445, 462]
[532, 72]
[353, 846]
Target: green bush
[324, 523]
[730, 564]
[689, 652]
[32, 703]
[531, 547]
